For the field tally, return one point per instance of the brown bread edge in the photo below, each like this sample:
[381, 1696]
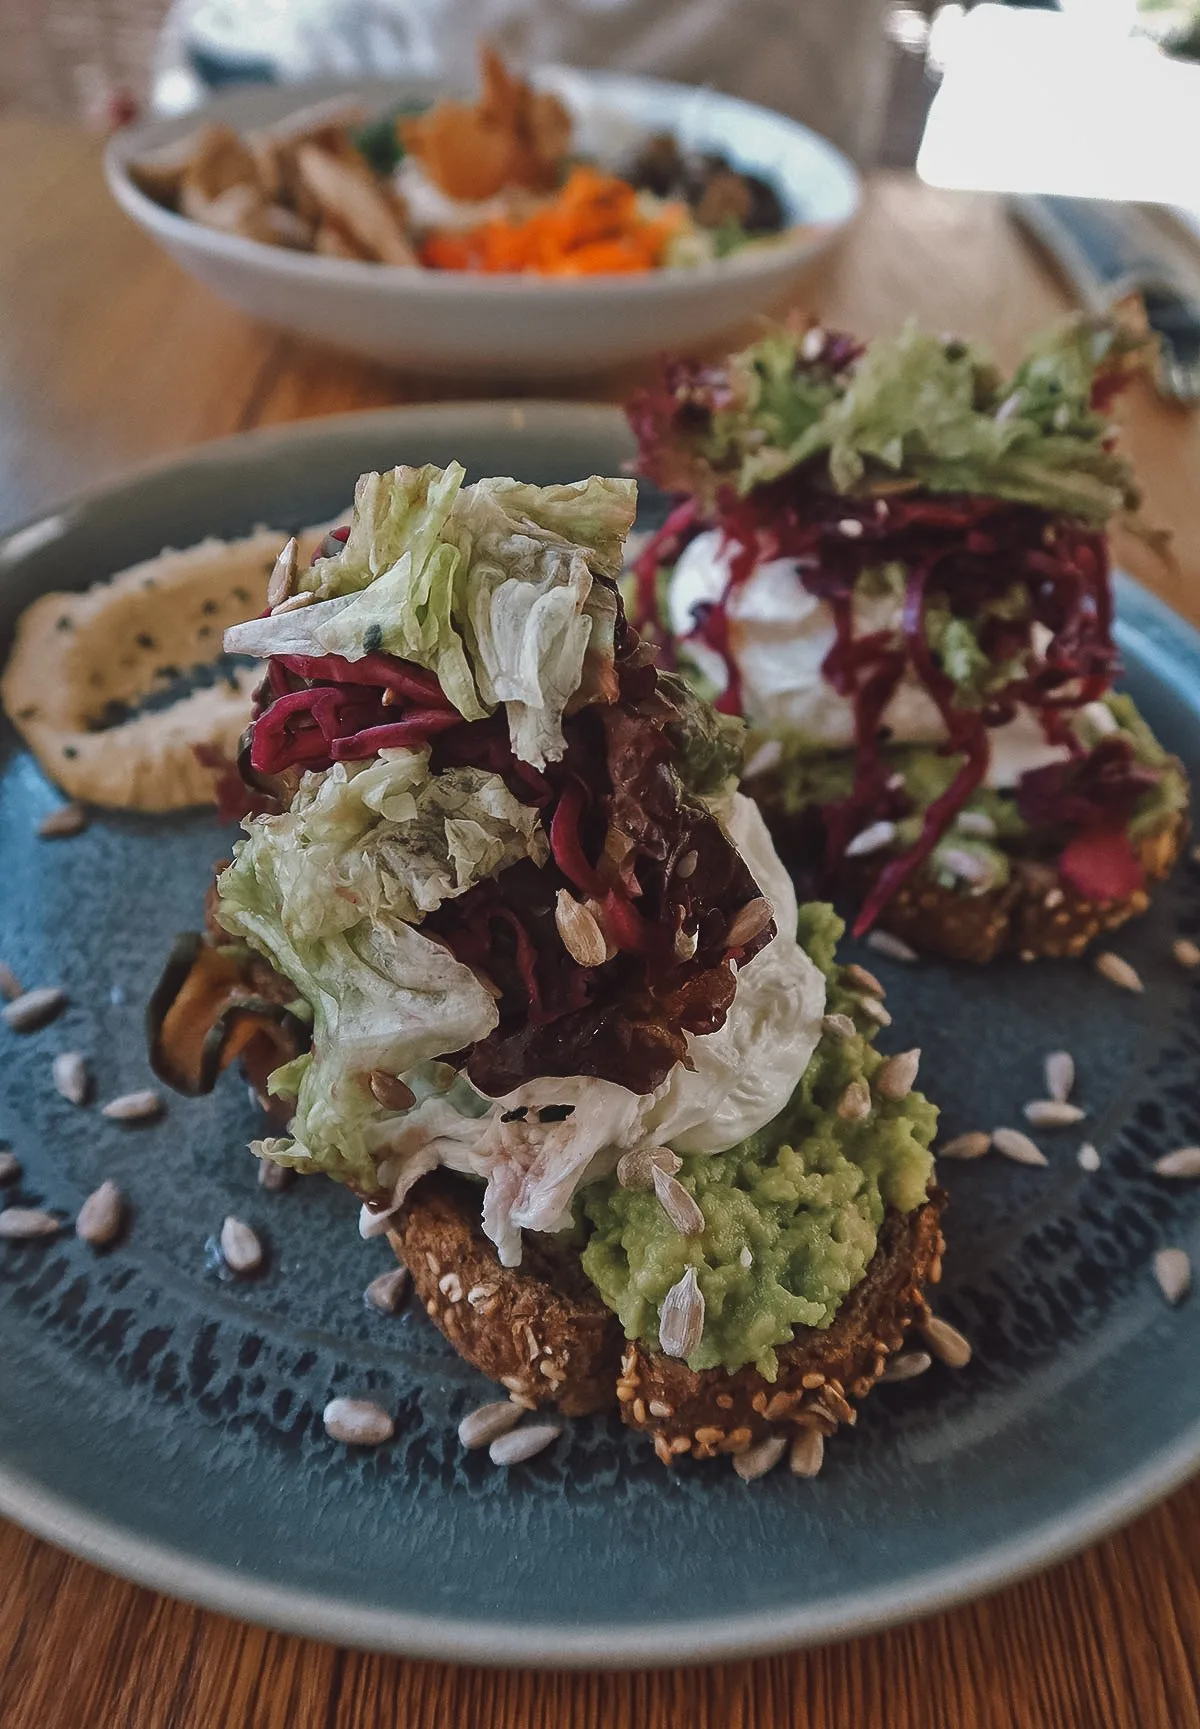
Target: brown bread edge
[543, 1333]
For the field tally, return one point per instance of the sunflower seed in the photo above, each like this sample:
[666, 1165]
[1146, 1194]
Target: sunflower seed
[450, 1285]
[1172, 1269]
[636, 1168]
[71, 1077]
[283, 576]
[1060, 1075]
[895, 1080]
[767, 756]
[1087, 1158]
[272, 1177]
[946, 1342]
[862, 980]
[686, 944]
[687, 864]
[895, 948]
[969, 1146]
[840, 1025]
[1018, 1147]
[808, 1453]
[480, 1295]
[812, 344]
[240, 1246]
[681, 1319]
[967, 866]
[1186, 953]
[907, 1366]
[101, 1216]
[387, 1292]
[850, 527]
[357, 1422]
[1052, 1113]
[10, 1166]
[390, 1091]
[10, 985]
[1184, 1162]
[1118, 971]
[60, 824]
[756, 1461]
[855, 1102]
[33, 1008]
[293, 603]
[581, 936]
[874, 1011]
[480, 1428]
[871, 839]
[976, 823]
[20, 1223]
[133, 1107]
[748, 921]
[521, 1444]
[680, 1207]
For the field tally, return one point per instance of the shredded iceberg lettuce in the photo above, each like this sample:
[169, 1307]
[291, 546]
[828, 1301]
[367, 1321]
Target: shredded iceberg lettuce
[491, 587]
[331, 891]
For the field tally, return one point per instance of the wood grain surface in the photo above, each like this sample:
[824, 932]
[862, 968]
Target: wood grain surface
[109, 356]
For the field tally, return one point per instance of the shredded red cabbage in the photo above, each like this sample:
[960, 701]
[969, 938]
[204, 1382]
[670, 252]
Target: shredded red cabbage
[618, 821]
[967, 551]
[1099, 790]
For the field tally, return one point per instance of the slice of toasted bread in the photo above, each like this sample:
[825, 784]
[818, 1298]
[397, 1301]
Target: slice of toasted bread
[541, 1330]
[1037, 913]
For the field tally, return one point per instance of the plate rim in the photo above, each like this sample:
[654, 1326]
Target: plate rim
[59, 1518]
[522, 1645]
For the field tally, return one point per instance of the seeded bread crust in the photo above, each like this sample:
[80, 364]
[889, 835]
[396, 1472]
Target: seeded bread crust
[543, 1333]
[820, 1371]
[1036, 913]
[539, 1329]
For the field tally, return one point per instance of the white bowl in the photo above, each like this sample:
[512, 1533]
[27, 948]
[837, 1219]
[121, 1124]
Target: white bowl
[518, 326]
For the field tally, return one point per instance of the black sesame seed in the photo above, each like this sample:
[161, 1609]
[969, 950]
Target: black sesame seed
[65, 623]
[70, 752]
[241, 594]
[373, 638]
[144, 639]
[209, 607]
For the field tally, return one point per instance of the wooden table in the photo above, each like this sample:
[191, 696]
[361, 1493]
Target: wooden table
[109, 356]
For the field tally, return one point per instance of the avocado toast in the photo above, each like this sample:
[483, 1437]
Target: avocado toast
[510, 956]
[892, 560]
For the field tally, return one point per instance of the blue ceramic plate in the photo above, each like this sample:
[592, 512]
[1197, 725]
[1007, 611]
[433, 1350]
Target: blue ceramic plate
[167, 1425]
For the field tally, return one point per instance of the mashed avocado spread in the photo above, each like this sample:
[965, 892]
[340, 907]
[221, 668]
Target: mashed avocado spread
[792, 1214]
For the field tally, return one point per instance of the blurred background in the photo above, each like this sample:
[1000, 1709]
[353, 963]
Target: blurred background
[866, 78]
[863, 72]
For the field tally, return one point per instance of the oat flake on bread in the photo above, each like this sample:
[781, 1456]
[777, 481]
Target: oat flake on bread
[80, 661]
